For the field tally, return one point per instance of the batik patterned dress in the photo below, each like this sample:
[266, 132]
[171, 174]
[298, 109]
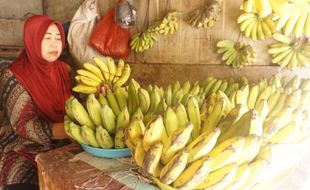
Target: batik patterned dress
[22, 133]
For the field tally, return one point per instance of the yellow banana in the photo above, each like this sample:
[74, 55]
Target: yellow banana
[202, 145]
[226, 152]
[112, 68]
[174, 167]
[152, 158]
[85, 89]
[86, 81]
[103, 67]
[88, 74]
[220, 178]
[250, 150]
[125, 76]
[176, 142]
[93, 69]
[153, 132]
[194, 174]
[135, 130]
[119, 70]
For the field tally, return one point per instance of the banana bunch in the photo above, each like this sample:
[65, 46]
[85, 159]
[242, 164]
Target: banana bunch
[96, 125]
[290, 53]
[168, 25]
[292, 16]
[236, 54]
[255, 27]
[102, 75]
[143, 41]
[206, 16]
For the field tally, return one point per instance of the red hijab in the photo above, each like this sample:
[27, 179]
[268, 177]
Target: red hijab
[48, 83]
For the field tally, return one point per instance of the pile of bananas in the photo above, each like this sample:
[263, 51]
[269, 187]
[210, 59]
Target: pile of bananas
[206, 16]
[293, 16]
[237, 54]
[105, 74]
[96, 125]
[214, 134]
[255, 27]
[289, 53]
[145, 40]
[223, 142]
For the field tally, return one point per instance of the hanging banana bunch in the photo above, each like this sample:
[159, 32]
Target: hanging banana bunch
[206, 16]
[169, 24]
[236, 54]
[145, 40]
[101, 76]
[290, 53]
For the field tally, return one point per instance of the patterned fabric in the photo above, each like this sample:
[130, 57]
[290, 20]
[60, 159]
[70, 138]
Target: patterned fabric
[22, 133]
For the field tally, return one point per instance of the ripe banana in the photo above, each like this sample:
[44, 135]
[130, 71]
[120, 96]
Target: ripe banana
[194, 174]
[202, 145]
[220, 178]
[152, 158]
[174, 167]
[154, 131]
[176, 142]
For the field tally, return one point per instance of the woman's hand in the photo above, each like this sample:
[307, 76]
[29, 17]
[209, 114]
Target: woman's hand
[58, 131]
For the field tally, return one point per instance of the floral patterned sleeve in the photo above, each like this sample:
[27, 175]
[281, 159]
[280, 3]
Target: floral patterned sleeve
[19, 109]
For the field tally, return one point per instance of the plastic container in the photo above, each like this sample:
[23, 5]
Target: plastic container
[107, 153]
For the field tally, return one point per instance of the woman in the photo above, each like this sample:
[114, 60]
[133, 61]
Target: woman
[33, 91]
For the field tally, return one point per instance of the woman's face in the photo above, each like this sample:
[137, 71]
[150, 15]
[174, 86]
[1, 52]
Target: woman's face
[51, 45]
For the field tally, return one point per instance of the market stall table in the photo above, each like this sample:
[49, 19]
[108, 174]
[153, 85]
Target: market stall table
[57, 172]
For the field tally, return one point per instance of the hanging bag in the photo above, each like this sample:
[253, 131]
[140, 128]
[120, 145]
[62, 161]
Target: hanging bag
[109, 38]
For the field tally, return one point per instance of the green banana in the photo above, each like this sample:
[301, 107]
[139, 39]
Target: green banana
[103, 138]
[108, 119]
[80, 114]
[89, 137]
[94, 109]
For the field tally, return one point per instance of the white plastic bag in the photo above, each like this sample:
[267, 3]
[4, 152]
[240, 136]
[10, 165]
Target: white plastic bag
[80, 29]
